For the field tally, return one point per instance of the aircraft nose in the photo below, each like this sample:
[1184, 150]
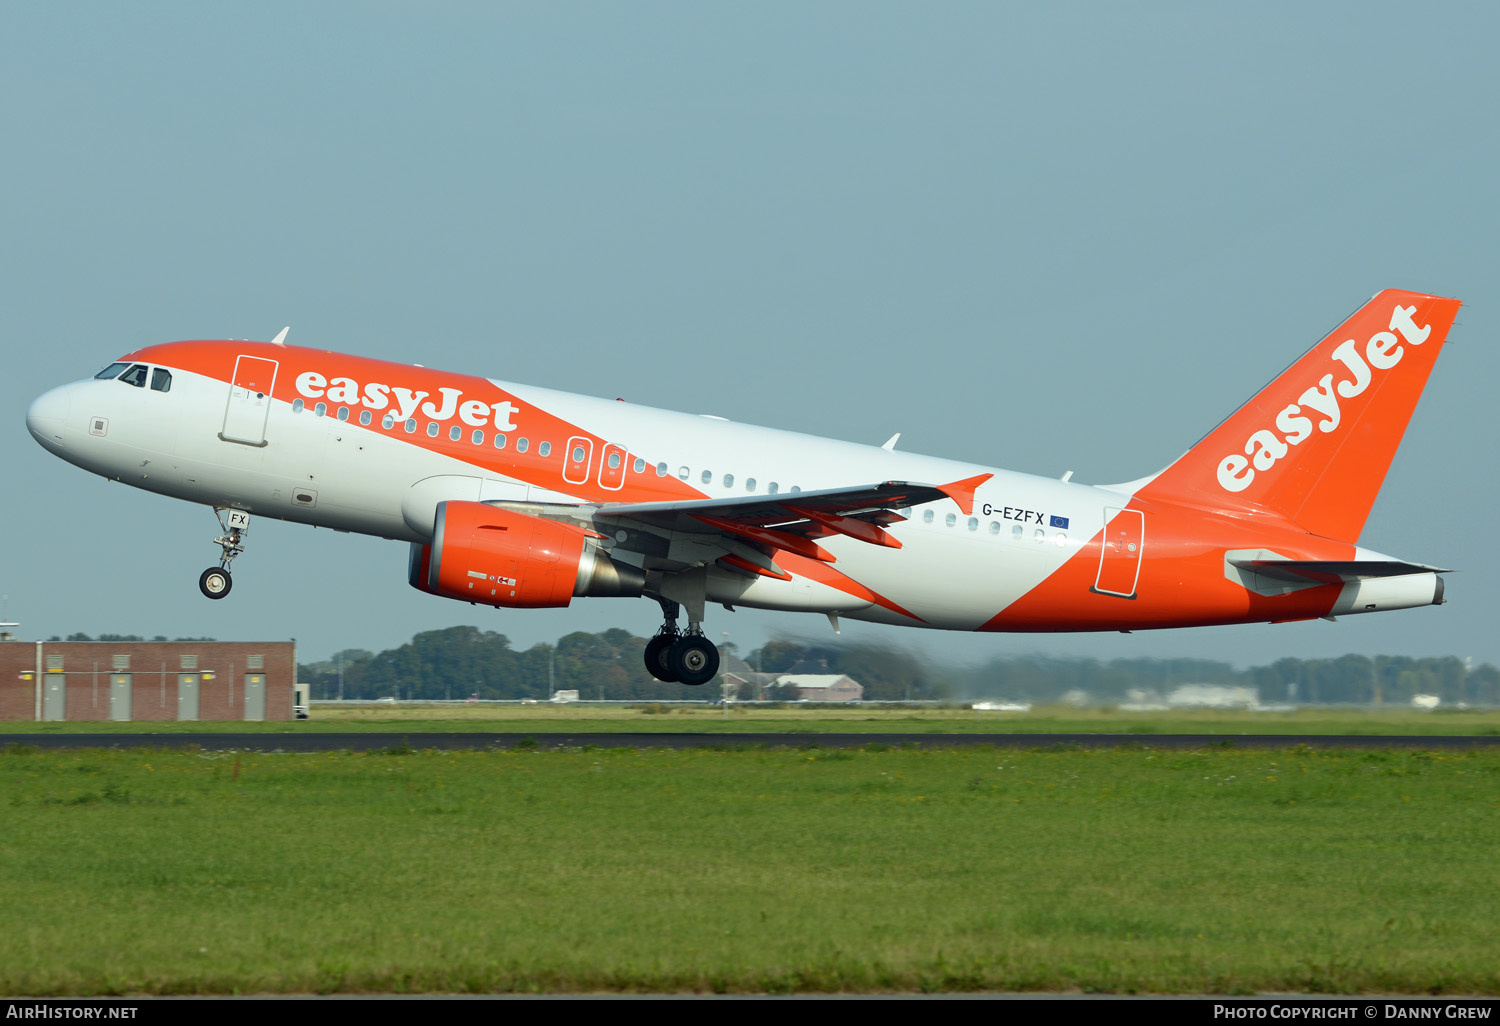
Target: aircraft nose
[48, 417]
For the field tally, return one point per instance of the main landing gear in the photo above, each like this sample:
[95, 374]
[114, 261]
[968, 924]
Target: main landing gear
[215, 582]
[681, 658]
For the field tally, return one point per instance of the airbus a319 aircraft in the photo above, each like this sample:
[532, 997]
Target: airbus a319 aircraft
[524, 497]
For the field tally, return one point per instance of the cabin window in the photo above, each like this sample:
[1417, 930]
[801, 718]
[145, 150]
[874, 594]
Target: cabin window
[298, 405]
[661, 470]
[1061, 539]
[1038, 535]
[499, 439]
[522, 445]
[773, 488]
[683, 473]
[577, 454]
[455, 433]
[973, 523]
[343, 413]
[728, 480]
[161, 379]
[796, 489]
[411, 427]
[432, 429]
[994, 527]
[951, 519]
[544, 449]
[388, 421]
[477, 437]
[750, 485]
[614, 461]
[708, 476]
[927, 516]
[365, 416]
[320, 409]
[136, 375]
[111, 372]
[640, 465]
[1016, 532]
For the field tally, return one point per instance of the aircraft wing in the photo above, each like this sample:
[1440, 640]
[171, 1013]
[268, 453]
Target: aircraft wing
[1333, 571]
[864, 502]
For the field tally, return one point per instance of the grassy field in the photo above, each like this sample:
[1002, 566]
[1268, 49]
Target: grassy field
[753, 718]
[1220, 870]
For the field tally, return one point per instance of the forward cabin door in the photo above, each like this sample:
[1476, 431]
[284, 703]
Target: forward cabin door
[1120, 555]
[249, 401]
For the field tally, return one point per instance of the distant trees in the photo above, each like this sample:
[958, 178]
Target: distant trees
[457, 662]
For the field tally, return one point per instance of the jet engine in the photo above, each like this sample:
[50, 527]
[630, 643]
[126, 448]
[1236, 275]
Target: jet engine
[483, 553]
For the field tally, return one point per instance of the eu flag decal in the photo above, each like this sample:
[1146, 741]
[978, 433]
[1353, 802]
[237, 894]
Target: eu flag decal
[1061, 522]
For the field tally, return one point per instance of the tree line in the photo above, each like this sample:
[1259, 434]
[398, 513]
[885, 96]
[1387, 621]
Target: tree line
[460, 662]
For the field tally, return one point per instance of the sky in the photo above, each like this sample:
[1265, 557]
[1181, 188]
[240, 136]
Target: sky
[1044, 237]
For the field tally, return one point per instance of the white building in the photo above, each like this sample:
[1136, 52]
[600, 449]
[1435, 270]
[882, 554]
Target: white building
[1213, 696]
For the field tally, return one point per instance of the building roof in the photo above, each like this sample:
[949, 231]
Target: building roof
[815, 680]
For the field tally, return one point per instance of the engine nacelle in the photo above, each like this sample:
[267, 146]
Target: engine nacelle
[483, 553]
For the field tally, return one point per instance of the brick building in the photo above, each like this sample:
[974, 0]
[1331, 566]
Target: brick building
[147, 681]
[823, 687]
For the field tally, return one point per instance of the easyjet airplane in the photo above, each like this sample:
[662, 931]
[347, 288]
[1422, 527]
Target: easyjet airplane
[517, 496]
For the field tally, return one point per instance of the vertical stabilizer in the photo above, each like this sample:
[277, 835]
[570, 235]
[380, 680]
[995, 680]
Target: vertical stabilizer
[1314, 445]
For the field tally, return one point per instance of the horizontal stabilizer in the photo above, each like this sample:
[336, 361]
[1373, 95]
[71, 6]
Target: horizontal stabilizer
[1332, 571]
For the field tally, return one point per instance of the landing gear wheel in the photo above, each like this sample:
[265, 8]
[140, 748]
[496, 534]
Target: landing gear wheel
[656, 657]
[693, 659]
[215, 582]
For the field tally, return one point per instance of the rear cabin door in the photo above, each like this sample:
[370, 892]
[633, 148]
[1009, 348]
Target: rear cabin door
[1120, 555]
[249, 401]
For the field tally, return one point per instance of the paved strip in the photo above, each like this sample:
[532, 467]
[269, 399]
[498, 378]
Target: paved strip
[308, 742]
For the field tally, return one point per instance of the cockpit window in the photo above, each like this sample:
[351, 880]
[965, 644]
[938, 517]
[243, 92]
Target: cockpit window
[136, 375]
[111, 372]
[161, 379]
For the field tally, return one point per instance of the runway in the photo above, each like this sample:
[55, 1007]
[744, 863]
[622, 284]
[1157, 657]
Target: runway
[362, 742]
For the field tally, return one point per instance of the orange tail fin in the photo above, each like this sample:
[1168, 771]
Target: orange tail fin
[1314, 446]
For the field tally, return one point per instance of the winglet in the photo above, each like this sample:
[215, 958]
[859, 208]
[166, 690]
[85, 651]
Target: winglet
[280, 339]
[962, 492]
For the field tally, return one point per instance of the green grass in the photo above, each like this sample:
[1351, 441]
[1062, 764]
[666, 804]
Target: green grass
[661, 718]
[1220, 870]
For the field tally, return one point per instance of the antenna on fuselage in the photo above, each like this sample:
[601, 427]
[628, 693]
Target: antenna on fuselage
[280, 339]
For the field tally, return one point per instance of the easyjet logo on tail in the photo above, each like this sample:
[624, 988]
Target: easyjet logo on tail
[1294, 424]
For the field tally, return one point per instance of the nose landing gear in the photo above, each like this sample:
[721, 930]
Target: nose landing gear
[215, 582]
